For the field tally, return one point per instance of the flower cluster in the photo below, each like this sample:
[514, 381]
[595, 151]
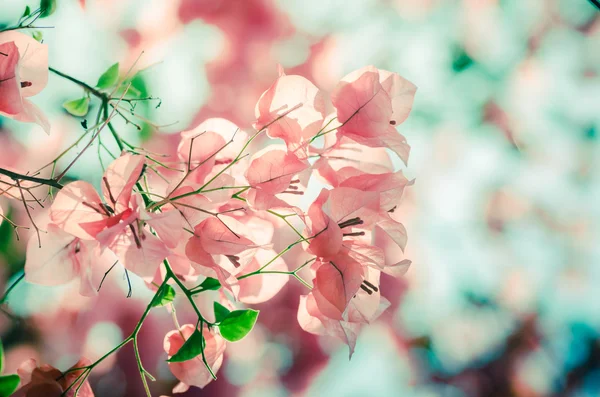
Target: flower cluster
[209, 215]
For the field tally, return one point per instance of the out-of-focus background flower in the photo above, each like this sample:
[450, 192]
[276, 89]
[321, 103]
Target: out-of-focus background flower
[502, 298]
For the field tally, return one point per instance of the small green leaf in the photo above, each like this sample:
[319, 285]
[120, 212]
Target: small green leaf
[37, 35]
[8, 385]
[109, 78]
[48, 7]
[210, 284]
[26, 13]
[238, 324]
[221, 312]
[78, 107]
[166, 294]
[190, 349]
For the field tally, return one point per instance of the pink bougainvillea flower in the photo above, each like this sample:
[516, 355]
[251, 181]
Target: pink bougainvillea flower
[364, 307]
[193, 372]
[23, 73]
[337, 280]
[370, 103]
[221, 248]
[204, 264]
[333, 215]
[213, 143]
[272, 175]
[118, 222]
[61, 257]
[298, 108]
[47, 381]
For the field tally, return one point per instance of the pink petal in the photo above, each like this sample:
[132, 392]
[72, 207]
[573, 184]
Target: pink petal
[33, 114]
[402, 93]
[207, 140]
[190, 206]
[119, 179]
[54, 262]
[326, 235]
[313, 321]
[364, 109]
[144, 259]
[364, 307]
[348, 158]
[363, 105]
[272, 170]
[77, 203]
[193, 372]
[346, 203]
[223, 235]
[167, 224]
[336, 282]
[33, 62]
[204, 264]
[389, 185]
[300, 103]
[395, 230]
[10, 90]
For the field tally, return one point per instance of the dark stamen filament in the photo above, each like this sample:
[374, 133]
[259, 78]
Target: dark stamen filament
[135, 237]
[354, 234]
[293, 192]
[368, 284]
[235, 260]
[351, 222]
[112, 199]
[368, 291]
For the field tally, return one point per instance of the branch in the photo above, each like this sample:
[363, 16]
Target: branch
[80, 83]
[43, 181]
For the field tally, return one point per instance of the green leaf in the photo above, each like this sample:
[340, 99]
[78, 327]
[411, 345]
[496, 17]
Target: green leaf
[8, 385]
[26, 13]
[190, 349]
[238, 324]
[48, 7]
[210, 284]
[78, 107]
[221, 312]
[109, 78]
[166, 294]
[37, 35]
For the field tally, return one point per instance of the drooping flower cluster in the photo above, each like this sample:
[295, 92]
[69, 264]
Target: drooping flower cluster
[214, 217]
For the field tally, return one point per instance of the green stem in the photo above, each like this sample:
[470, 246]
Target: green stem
[12, 286]
[80, 83]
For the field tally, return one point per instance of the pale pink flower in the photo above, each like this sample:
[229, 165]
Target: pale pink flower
[370, 103]
[47, 381]
[118, 222]
[23, 73]
[297, 105]
[193, 372]
[61, 257]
